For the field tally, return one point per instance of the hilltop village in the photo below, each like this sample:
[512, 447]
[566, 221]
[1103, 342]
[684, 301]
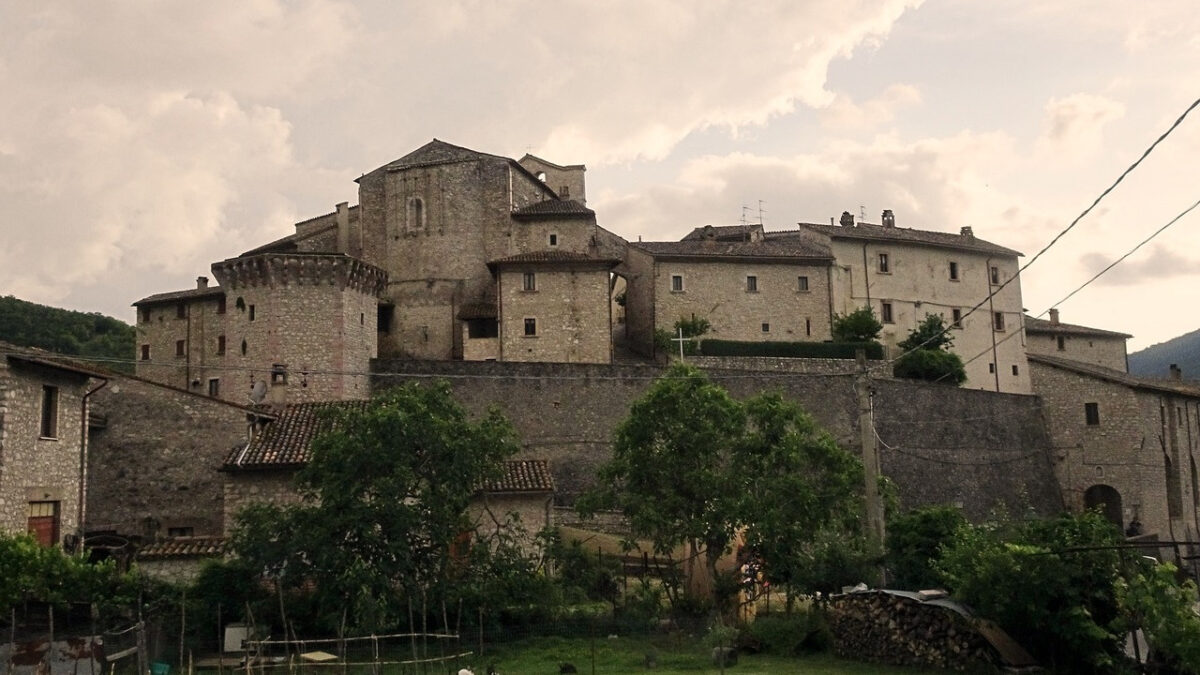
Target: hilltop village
[494, 274]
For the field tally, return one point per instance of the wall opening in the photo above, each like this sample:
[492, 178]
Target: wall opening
[1108, 500]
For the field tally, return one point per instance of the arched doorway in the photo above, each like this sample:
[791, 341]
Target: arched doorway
[1108, 500]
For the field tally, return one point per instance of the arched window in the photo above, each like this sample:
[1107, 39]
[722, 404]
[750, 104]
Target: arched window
[416, 214]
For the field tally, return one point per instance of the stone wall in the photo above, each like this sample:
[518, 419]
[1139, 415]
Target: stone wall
[488, 513]
[160, 327]
[570, 307]
[36, 468]
[943, 444]
[243, 488]
[1108, 352]
[788, 365]
[155, 465]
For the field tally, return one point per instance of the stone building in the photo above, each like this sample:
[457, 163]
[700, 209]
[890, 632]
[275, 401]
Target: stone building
[44, 420]
[1123, 443]
[748, 288]
[906, 274]
[433, 263]
[1077, 343]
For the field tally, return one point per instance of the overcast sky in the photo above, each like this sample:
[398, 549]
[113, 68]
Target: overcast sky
[141, 141]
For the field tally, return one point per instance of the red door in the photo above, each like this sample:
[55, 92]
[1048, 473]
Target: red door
[43, 522]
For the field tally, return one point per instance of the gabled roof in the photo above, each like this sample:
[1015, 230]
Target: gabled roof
[184, 547]
[39, 357]
[553, 208]
[724, 233]
[780, 250]
[866, 232]
[286, 443]
[175, 296]
[550, 164]
[552, 258]
[438, 152]
[1042, 326]
[1177, 387]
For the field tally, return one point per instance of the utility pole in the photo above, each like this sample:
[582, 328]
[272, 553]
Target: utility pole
[870, 451]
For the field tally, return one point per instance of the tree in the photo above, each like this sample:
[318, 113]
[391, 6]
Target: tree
[857, 326]
[926, 354]
[693, 466]
[914, 540]
[384, 498]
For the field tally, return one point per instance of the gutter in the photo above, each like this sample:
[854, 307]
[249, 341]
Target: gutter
[81, 514]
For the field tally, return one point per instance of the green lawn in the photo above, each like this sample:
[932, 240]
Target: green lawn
[537, 656]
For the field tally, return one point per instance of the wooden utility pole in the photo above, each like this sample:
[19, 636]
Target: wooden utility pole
[870, 451]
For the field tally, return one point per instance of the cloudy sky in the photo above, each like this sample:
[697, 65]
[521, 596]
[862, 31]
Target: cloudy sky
[142, 140]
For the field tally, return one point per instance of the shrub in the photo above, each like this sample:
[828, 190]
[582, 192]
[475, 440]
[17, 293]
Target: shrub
[811, 350]
[857, 326]
[914, 540]
[931, 366]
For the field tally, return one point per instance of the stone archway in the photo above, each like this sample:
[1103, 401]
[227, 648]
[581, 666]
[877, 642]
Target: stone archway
[1108, 500]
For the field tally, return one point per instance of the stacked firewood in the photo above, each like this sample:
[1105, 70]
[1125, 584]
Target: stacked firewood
[886, 628]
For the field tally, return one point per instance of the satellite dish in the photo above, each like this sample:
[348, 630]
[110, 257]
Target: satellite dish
[258, 391]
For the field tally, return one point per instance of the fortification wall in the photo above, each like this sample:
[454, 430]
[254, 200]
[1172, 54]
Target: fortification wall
[940, 444]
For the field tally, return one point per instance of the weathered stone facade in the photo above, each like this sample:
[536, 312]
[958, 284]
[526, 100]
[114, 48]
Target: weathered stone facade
[43, 442]
[153, 469]
[1077, 343]
[1125, 443]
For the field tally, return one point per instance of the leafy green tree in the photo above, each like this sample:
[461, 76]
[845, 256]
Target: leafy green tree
[926, 354]
[802, 493]
[28, 324]
[914, 541]
[1152, 598]
[384, 498]
[690, 328]
[857, 326]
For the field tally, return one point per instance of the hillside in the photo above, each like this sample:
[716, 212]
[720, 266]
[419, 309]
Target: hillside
[1153, 361]
[29, 324]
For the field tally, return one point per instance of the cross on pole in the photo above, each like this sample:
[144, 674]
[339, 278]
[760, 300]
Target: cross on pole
[681, 340]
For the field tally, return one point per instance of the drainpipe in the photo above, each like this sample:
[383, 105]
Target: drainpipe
[83, 455]
[866, 279]
[987, 277]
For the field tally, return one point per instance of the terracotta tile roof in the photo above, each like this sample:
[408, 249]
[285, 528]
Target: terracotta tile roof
[190, 294]
[184, 547]
[553, 208]
[551, 257]
[41, 357]
[867, 232]
[524, 475]
[1043, 326]
[286, 441]
[781, 250]
[1099, 372]
[724, 233]
[478, 310]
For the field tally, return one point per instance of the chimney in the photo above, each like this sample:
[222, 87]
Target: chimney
[888, 218]
[966, 231]
[847, 220]
[343, 227]
[201, 283]
[1176, 372]
[1054, 316]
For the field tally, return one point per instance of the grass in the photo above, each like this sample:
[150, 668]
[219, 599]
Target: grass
[535, 656]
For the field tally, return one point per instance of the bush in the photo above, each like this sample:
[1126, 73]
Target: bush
[810, 350]
[583, 575]
[931, 365]
[914, 540]
[857, 326]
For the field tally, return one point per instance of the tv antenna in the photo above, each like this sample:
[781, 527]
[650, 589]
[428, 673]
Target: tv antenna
[258, 391]
[761, 211]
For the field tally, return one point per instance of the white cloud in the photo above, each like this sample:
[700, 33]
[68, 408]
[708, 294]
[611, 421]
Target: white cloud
[844, 115]
[1074, 125]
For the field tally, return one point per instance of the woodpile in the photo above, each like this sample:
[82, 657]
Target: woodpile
[901, 629]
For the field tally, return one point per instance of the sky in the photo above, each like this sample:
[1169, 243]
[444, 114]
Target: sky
[140, 141]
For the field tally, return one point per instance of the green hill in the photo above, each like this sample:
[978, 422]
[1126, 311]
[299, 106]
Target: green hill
[1153, 361]
[28, 324]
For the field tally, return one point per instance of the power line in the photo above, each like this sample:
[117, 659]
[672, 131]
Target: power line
[1065, 230]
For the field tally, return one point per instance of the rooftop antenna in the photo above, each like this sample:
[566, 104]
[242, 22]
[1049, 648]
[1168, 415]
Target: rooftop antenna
[862, 213]
[744, 210]
[258, 392]
[761, 211]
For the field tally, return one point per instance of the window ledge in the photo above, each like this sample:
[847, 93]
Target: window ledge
[48, 438]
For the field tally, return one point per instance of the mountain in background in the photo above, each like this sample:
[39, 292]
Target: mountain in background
[1153, 361]
[27, 324]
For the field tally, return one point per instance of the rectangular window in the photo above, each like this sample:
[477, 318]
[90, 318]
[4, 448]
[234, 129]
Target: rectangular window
[554, 240]
[279, 373]
[885, 312]
[953, 271]
[530, 327]
[181, 311]
[1016, 371]
[145, 352]
[220, 345]
[1091, 413]
[766, 328]
[529, 281]
[956, 318]
[181, 531]
[751, 284]
[250, 309]
[214, 387]
[1062, 342]
[144, 315]
[676, 283]
[221, 305]
[991, 367]
[49, 412]
[383, 318]
[998, 321]
[994, 275]
[808, 326]
[885, 266]
[180, 347]
[482, 328]
[802, 283]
